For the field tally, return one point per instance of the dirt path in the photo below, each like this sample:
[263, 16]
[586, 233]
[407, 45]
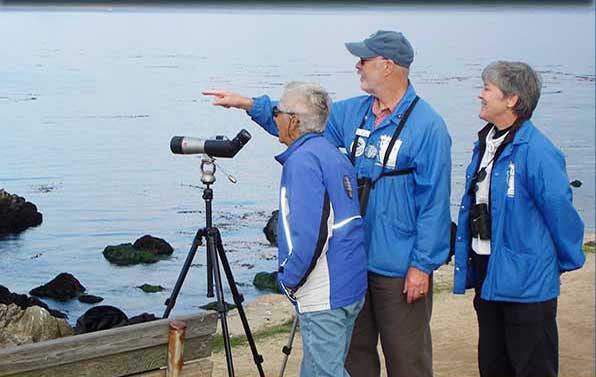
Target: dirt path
[454, 331]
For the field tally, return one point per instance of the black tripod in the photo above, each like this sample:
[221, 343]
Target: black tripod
[215, 248]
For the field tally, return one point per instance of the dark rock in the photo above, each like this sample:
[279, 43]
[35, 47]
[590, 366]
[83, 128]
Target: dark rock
[62, 288]
[24, 301]
[265, 280]
[125, 254]
[17, 214]
[213, 306]
[148, 288]
[576, 183]
[90, 299]
[155, 245]
[270, 229]
[144, 317]
[101, 317]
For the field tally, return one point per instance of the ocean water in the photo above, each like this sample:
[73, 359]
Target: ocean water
[90, 97]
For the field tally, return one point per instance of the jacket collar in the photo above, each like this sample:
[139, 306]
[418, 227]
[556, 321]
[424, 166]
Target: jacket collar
[401, 107]
[283, 157]
[518, 134]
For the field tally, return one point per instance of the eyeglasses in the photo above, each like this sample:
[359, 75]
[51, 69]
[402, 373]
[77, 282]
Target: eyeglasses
[364, 60]
[276, 111]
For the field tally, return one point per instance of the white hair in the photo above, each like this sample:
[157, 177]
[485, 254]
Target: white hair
[310, 102]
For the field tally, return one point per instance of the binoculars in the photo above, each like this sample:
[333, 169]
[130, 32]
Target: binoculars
[480, 223]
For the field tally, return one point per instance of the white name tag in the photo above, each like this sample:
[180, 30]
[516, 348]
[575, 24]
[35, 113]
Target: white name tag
[362, 132]
[511, 180]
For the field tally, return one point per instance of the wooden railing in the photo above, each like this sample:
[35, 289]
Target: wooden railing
[138, 350]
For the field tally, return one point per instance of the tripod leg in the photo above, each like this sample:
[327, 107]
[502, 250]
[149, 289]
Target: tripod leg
[238, 299]
[222, 308]
[171, 301]
[287, 349]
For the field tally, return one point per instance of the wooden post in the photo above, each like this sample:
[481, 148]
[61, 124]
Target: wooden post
[175, 348]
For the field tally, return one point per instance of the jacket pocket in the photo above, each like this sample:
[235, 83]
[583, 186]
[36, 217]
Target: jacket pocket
[514, 273]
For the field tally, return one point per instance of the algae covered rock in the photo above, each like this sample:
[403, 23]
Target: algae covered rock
[147, 249]
[148, 288]
[125, 254]
[266, 280]
[90, 299]
[213, 306]
[157, 246]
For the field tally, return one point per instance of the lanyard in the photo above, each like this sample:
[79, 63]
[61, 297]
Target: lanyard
[394, 138]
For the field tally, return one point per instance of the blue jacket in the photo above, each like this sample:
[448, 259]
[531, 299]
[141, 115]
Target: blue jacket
[407, 222]
[320, 235]
[536, 232]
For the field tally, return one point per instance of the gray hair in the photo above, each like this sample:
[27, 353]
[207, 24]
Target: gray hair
[310, 102]
[516, 78]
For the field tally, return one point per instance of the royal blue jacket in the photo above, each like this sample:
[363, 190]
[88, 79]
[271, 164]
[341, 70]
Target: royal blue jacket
[407, 222]
[536, 232]
[320, 232]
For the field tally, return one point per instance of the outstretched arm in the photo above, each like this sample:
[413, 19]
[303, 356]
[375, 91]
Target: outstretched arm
[228, 99]
[258, 108]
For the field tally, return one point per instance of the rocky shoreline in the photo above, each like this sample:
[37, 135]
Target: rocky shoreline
[17, 311]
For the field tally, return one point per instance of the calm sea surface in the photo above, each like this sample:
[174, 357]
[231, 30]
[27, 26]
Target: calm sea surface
[90, 98]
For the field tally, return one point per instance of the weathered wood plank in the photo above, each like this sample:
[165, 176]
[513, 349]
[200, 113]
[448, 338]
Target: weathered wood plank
[123, 364]
[200, 368]
[101, 343]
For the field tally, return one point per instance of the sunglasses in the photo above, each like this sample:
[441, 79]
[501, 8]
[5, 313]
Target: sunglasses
[364, 60]
[276, 111]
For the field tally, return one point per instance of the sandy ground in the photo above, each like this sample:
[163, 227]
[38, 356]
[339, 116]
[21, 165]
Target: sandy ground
[454, 330]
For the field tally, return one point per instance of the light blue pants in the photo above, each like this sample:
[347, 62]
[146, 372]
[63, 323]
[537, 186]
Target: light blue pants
[326, 336]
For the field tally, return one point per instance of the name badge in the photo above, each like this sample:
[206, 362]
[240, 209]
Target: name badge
[511, 180]
[362, 132]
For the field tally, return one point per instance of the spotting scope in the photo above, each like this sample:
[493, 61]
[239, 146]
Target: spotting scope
[219, 146]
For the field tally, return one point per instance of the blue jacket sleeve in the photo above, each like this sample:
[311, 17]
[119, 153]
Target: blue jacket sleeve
[260, 113]
[334, 128]
[549, 186]
[432, 194]
[305, 194]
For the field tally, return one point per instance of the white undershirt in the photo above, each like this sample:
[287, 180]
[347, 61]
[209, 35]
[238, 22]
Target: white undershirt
[479, 246]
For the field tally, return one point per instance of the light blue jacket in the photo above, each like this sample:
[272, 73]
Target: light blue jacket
[536, 232]
[320, 233]
[407, 222]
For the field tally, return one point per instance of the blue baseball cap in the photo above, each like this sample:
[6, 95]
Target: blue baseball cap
[388, 44]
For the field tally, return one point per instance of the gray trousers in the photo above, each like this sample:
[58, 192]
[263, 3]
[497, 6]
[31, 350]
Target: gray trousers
[404, 331]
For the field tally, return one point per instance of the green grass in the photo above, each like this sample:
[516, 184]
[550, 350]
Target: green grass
[235, 341]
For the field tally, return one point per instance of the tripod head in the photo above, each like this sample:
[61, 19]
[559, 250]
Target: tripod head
[208, 169]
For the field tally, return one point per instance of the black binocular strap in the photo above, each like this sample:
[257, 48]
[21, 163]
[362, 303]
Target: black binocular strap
[394, 138]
